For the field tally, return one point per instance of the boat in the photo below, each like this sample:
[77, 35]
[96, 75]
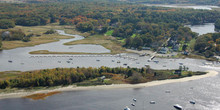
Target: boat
[192, 102]
[113, 60]
[156, 61]
[125, 64]
[126, 108]
[97, 60]
[178, 107]
[181, 63]
[152, 102]
[132, 104]
[207, 63]
[135, 100]
[118, 62]
[59, 61]
[167, 91]
[9, 61]
[68, 61]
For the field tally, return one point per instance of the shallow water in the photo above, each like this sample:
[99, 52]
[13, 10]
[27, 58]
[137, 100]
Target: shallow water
[203, 29]
[204, 91]
[202, 7]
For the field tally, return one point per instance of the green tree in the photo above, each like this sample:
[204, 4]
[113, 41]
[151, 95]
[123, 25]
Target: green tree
[5, 24]
[84, 26]
[217, 24]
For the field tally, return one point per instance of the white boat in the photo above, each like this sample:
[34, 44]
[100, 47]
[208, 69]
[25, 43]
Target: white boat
[207, 63]
[178, 107]
[192, 102]
[126, 108]
[135, 100]
[152, 102]
[132, 104]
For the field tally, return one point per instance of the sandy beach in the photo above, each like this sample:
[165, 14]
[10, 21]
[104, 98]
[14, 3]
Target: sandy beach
[113, 86]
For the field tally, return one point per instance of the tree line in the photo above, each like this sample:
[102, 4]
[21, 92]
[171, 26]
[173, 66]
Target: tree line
[14, 34]
[137, 25]
[197, 2]
[208, 45]
[66, 76]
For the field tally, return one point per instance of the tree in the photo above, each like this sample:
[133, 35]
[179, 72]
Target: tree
[217, 24]
[84, 26]
[0, 43]
[136, 78]
[5, 24]
[208, 54]
[184, 47]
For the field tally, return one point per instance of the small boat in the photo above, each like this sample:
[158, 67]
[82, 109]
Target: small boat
[118, 62]
[152, 102]
[59, 61]
[9, 61]
[97, 60]
[132, 104]
[156, 61]
[113, 60]
[126, 108]
[192, 102]
[178, 107]
[135, 100]
[181, 63]
[68, 61]
[207, 63]
[167, 91]
[125, 64]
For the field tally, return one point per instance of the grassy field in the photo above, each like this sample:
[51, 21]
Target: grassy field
[49, 52]
[9, 75]
[37, 31]
[106, 41]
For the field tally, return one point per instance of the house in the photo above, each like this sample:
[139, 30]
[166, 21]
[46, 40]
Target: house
[178, 72]
[163, 50]
[146, 48]
[175, 47]
[185, 53]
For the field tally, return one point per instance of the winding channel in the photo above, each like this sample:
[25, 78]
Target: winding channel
[204, 91]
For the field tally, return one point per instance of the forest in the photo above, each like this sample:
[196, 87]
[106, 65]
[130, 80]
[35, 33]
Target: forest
[146, 24]
[67, 76]
[134, 25]
[197, 2]
[208, 45]
[217, 25]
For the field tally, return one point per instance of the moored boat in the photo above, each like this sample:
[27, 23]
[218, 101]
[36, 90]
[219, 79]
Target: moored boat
[178, 107]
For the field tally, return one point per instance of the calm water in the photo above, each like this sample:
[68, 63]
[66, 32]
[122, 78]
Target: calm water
[204, 91]
[202, 7]
[203, 29]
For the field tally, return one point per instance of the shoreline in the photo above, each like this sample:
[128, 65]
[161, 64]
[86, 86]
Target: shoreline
[104, 87]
